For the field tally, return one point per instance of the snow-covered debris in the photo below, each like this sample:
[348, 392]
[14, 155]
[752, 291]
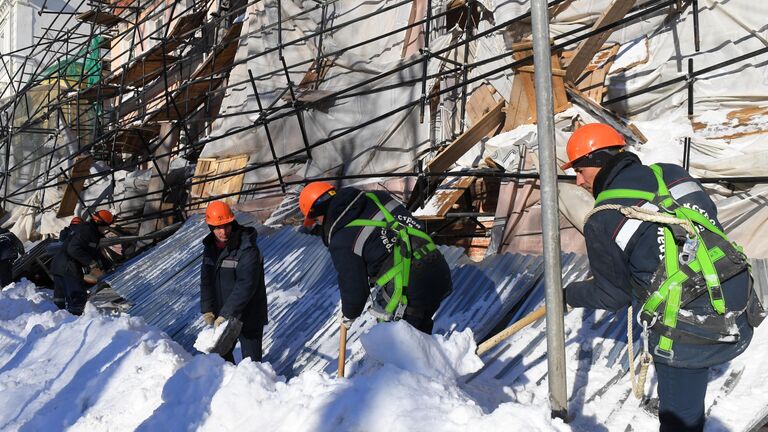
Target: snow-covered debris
[97, 372]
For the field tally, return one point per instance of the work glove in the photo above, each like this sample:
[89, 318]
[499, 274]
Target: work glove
[218, 321]
[94, 274]
[209, 318]
[346, 322]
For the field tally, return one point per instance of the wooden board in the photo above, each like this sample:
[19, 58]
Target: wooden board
[480, 103]
[223, 55]
[589, 47]
[488, 123]
[99, 17]
[446, 195]
[605, 116]
[592, 82]
[414, 36]
[518, 112]
[81, 168]
[183, 101]
[522, 100]
[210, 167]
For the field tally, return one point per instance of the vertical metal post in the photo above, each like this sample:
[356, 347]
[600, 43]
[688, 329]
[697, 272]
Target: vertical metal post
[294, 101]
[550, 215]
[695, 6]
[687, 141]
[425, 52]
[464, 68]
[266, 130]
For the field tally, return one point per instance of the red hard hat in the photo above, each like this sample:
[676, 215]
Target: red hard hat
[218, 213]
[309, 196]
[76, 220]
[103, 217]
[589, 138]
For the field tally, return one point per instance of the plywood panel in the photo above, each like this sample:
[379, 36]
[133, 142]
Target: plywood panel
[208, 168]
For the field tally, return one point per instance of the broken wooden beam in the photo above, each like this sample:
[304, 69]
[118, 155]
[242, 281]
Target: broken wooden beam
[488, 123]
[80, 169]
[589, 47]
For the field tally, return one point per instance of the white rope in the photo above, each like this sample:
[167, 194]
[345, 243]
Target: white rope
[635, 212]
[638, 385]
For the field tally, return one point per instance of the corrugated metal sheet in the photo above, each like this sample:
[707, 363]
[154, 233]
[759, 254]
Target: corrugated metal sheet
[163, 287]
[303, 296]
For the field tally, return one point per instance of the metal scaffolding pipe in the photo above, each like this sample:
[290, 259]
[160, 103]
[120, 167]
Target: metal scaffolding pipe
[550, 214]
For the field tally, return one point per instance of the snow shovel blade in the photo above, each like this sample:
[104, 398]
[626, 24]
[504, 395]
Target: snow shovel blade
[226, 341]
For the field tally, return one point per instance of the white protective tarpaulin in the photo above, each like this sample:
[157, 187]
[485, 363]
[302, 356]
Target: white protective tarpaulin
[392, 144]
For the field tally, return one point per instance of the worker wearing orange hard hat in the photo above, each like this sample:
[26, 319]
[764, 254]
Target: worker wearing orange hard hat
[375, 241]
[79, 260]
[232, 280]
[654, 242]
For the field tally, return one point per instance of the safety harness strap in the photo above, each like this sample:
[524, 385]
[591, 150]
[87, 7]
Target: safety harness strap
[403, 254]
[695, 259]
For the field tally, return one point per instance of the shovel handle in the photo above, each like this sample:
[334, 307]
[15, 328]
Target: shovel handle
[342, 349]
[509, 331]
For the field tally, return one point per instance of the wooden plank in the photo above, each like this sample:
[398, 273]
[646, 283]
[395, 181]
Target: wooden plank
[592, 82]
[555, 72]
[81, 168]
[223, 55]
[526, 79]
[414, 36]
[604, 115]
[99, 17]
[488, 123]
[448, 193]
[589, 47]
[517, 111]
[558, 87]
[480, 103]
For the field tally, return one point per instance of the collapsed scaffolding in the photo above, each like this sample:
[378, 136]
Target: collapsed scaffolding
[159, 96]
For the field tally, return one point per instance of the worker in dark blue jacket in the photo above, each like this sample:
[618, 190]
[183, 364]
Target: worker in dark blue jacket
[371, 237]
[59, 295]
[660, 267]
[232, 279]
[10, 249]
[79, 254]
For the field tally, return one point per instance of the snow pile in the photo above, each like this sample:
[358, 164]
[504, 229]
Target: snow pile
[98, 372]
[208, 337]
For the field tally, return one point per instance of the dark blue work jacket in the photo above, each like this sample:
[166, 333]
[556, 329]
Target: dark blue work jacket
[78, 251]
[232, 279]
[358, 253]
[626, 252]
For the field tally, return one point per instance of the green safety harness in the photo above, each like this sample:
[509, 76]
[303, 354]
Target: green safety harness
[685, 273]
[402, 256]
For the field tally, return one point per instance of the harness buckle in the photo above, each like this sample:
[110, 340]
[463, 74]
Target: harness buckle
[669, 355]
[688, 254]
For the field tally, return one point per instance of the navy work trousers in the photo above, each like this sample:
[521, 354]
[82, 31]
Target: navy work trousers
[75, 294]
[681, 398]
[250, 345]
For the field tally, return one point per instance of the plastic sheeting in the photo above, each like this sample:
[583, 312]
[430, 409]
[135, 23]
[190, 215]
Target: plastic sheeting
[391, 144]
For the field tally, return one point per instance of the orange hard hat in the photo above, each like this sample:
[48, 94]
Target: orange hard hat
[76, 220]
[103, 217]
[218, 213]
[310, 195]
[589, 138]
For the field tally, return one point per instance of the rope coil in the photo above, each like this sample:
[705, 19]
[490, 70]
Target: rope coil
[646, 215]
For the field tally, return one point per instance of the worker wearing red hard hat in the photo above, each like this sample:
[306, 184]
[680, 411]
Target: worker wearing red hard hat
[653, 239]
[374, 240]
[79, 251]
[232, 279]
